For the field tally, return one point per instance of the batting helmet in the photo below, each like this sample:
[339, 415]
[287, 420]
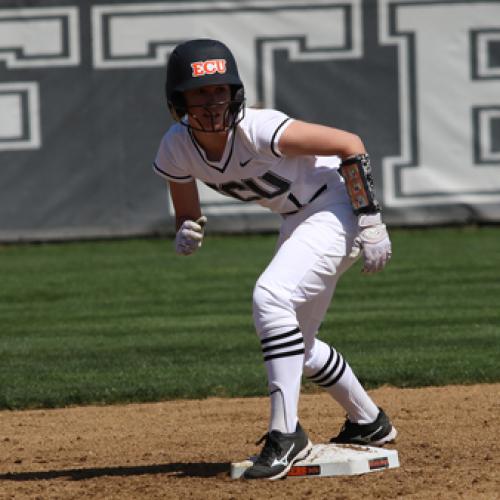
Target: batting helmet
[201, 62]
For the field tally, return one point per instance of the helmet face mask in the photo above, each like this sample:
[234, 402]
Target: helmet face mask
[213, 116]
[199, 63]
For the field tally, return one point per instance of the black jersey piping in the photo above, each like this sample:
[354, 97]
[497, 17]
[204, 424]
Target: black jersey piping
[166, 174]
[229, 156]
[299, 206]
[321, 190]
[274, 137]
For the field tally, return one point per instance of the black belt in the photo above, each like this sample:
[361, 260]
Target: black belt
[299, 205]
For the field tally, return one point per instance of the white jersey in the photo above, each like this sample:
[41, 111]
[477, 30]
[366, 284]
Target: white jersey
[252, 169]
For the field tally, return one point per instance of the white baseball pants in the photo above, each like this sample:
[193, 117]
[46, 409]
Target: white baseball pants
[290, 300]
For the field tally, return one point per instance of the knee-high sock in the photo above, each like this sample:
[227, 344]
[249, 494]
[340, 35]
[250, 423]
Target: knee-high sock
[328, 368]
[284, 358]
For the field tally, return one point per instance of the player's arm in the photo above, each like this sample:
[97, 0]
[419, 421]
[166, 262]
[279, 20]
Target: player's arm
[301, 138]
[189, 222]
[186, 201]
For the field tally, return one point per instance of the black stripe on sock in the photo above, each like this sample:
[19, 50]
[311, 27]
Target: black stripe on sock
[284, 354]
[337, 378]
[325, 366]
[284, 344]
[331, 371]
[280, 336]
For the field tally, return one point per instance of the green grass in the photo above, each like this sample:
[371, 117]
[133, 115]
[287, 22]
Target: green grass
[120, 321]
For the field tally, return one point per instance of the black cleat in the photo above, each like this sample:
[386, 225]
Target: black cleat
[279, 453]
[377, 433]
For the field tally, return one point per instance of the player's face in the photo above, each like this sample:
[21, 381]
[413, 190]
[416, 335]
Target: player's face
[208, 107]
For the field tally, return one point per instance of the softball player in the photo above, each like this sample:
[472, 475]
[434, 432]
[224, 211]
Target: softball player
[319, 180]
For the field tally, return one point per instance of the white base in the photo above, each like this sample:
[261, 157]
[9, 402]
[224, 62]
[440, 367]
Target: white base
[334, 460]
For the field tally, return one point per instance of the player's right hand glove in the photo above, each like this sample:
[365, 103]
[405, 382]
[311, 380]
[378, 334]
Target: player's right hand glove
[374, 241]
[190, 236]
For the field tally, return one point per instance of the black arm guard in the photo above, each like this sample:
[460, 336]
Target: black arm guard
[357, 174]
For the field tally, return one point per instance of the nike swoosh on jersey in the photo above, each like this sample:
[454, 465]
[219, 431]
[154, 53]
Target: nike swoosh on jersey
[283, 461]
[245, 163]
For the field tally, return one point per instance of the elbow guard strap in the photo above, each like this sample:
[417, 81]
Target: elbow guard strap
[357, 174]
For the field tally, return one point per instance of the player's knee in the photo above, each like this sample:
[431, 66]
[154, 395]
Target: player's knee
[315, 354]
[308, 367]
[271, 309]
[265, 300]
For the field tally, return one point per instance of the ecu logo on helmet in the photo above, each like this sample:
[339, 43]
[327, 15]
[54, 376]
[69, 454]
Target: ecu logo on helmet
[208, 67]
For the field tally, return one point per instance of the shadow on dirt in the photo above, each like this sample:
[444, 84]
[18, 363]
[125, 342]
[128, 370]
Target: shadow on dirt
[201, 469]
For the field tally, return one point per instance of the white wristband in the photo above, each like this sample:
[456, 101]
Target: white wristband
[367, 220]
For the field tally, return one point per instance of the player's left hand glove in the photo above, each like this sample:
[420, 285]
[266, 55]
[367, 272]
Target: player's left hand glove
[189, 236]
[374, 241]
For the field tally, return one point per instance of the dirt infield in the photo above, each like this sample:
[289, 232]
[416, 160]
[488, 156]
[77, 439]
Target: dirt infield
[448, 448]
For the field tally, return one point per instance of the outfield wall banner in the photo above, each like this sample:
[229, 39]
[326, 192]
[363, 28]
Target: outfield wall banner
[82, 106]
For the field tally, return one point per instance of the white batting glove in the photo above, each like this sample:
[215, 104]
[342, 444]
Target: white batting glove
[374, 241]
[190, 236]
